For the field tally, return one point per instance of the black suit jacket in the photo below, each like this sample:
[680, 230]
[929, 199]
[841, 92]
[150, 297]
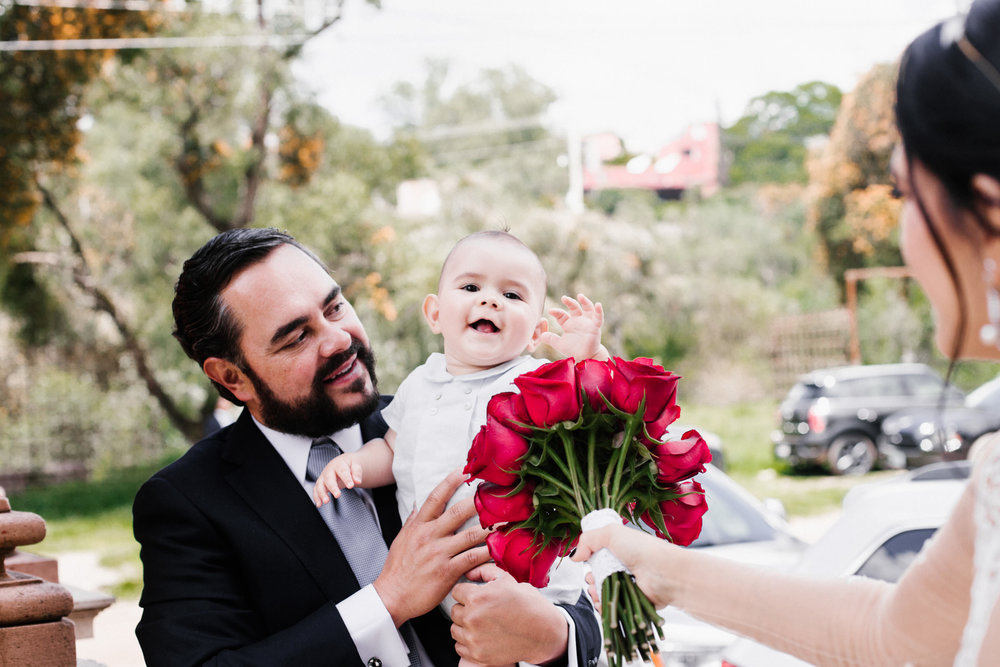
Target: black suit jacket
[240, 569]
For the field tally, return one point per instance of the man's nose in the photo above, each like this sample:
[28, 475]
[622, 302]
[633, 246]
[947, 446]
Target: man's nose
[335, 340]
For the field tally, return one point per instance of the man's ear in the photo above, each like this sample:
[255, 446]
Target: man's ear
[987, 198]
[227, 374]
[536, 335]
[432, 312]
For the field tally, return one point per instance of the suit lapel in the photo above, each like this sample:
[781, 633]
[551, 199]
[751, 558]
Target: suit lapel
[259, 475]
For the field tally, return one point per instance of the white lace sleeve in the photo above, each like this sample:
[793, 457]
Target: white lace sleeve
[986, 582]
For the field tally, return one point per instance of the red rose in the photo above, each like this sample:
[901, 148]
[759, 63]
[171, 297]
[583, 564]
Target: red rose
[550, 393]
[516, 551]
[498, 504]
[634, 379]
[682, 515]
[508, 408]
[595, 381]
[495, 454]
[658, 427]
[677, 460]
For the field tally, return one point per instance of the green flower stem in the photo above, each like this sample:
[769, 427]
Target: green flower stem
[551, 454]
[611, 621]
[592, 468]
[625, 491]
[558, 483]
[621, 452]
[574, 469]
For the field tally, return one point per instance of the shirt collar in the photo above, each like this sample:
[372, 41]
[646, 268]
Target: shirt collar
[294, 449]
[437, 370]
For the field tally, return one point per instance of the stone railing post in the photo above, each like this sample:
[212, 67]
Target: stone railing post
[33, 629]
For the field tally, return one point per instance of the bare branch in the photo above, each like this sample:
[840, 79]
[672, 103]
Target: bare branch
[83, 277]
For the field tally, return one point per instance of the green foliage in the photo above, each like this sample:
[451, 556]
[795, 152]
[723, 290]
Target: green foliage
[769, 144]
[853, 212]
[63, 420]
[491, 123]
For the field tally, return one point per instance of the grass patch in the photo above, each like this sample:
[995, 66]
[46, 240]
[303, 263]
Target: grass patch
[745, 430]
[807, 495]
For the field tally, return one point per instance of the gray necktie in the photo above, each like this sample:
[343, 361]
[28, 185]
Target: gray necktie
[355, 529]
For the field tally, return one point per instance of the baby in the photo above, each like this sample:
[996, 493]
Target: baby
[489, 312]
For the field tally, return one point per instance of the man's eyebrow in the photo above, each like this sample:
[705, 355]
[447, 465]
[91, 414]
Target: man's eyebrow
[289, 327]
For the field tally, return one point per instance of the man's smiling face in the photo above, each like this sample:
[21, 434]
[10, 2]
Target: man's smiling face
[489, 304]
[307, 361]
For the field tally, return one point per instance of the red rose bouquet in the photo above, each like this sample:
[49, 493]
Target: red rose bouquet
[580, 441]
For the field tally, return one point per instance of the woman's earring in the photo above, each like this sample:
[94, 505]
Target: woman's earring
[989, 334]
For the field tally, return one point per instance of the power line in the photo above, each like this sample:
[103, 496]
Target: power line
[115, 44]
[129, 5]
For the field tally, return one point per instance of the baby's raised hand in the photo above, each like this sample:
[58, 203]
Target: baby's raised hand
[343, 472]
[581, 324]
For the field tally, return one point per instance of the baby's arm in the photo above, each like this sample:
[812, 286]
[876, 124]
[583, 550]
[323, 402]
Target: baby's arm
[369, 467]
[581, 324]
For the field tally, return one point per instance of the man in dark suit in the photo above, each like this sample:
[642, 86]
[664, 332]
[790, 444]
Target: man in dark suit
[239, 566]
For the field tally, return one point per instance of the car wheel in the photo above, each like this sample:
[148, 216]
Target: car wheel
[851, 454]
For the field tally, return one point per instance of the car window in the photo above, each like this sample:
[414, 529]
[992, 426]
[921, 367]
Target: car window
[895, 555]
[802, 390]
[879, 385]
[925, 386]
[730, 519]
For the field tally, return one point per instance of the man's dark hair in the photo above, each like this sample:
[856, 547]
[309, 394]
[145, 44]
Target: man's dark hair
[203, 325]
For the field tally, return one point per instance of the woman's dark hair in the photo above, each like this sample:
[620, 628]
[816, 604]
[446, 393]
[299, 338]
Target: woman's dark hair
[948, 114]
[203, 325]
[948, 98]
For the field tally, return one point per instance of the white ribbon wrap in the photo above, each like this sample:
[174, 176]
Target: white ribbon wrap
[602, 562]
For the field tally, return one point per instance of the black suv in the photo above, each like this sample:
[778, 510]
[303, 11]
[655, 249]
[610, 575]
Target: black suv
[833, 416]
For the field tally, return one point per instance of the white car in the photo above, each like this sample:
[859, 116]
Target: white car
[880, 531]
[738, 526]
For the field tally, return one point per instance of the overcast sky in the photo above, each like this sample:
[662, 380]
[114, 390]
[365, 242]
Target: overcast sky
[644, 69]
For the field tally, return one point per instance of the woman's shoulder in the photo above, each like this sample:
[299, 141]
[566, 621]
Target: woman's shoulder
[984, 455]
[984, 449]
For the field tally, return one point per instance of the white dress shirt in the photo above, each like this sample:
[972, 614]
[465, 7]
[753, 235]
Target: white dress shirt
[364, 614]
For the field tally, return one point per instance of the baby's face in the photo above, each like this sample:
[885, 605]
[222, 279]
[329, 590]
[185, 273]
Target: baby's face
[489, 304]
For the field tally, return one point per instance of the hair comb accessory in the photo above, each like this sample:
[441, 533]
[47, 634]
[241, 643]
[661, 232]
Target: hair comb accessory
[953, 32]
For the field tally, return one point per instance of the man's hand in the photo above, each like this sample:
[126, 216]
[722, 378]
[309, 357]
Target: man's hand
[427, 557]
[501, 621]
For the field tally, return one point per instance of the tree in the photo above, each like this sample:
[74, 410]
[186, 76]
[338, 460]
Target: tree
[178, 147]
[852, 208]
[770, 142]
[490, 127]
[41, 93]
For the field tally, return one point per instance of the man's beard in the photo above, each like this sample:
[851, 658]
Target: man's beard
[317, 414]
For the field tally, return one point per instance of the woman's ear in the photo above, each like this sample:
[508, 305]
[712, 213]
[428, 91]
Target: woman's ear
[432, 312]
[227, 374]
[986, 191]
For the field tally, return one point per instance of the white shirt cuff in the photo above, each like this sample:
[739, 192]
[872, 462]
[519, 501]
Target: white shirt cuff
[371, 627]
[572, 660]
